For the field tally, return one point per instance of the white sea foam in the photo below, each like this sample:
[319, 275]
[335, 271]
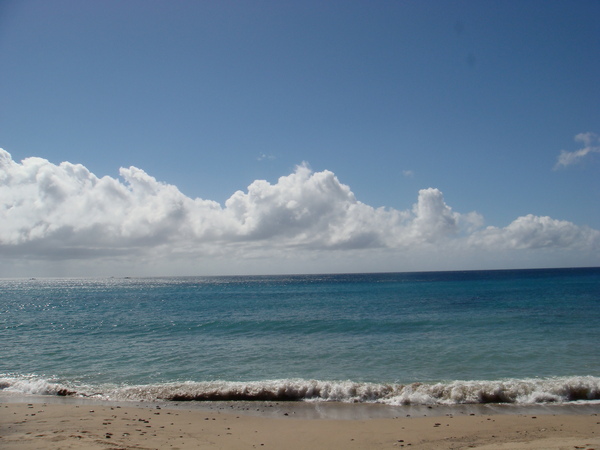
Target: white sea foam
[31, 385]
[516, 391]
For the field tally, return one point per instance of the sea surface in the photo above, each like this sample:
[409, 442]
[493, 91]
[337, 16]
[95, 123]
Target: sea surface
[510, 336]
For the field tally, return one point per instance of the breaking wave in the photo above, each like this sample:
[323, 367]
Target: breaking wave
[517, 391]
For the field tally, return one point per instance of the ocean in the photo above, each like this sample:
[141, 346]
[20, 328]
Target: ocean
[432, 338]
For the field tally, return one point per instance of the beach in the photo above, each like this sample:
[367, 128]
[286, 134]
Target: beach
[31, 424]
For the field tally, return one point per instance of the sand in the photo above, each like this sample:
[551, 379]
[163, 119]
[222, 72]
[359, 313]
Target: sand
[70, 425]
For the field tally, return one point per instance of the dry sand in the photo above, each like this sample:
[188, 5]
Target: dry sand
[105, 426]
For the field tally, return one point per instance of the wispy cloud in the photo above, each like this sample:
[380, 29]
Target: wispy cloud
[51, 212]
[408, 173]
[591, 144]
[263, 156]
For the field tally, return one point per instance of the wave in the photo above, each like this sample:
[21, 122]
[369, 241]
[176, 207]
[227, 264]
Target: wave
[516, 391]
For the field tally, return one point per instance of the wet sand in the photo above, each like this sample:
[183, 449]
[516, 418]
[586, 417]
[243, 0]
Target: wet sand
[70, 424]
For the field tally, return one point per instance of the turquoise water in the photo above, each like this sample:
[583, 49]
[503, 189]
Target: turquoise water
[439, 337]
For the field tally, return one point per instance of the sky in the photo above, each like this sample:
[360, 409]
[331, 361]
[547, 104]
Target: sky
[148, 138]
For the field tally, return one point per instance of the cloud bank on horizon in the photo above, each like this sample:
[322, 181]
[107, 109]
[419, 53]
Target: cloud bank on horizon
[306, 222]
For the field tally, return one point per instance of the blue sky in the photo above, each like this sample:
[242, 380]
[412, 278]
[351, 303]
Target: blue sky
[475, 99]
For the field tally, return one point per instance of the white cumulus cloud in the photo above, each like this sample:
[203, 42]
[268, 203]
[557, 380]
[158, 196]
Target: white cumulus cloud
[535, 232]
[59, 212]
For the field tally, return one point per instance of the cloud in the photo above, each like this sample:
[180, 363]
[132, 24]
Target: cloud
[263, 156]
[591, 144]
[65, 212]
[535, 232]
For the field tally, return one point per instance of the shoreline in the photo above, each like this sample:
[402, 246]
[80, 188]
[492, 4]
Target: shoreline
[53, 423]
[314, 410]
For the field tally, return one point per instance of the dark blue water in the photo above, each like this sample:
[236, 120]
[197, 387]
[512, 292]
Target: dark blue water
[522, 335]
